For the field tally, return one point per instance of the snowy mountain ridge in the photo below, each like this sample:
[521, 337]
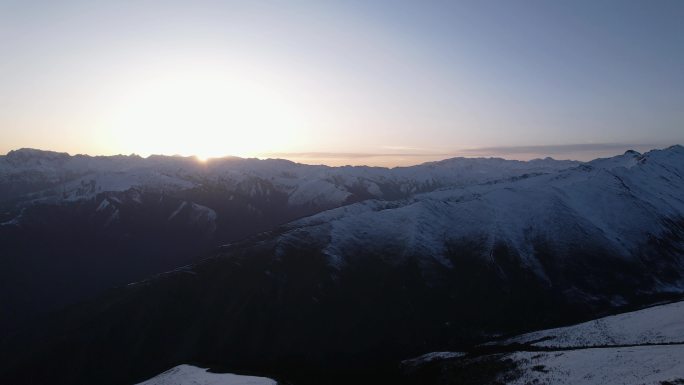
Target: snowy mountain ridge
[620, 206]
[452, 266]
[55, 176]
[161, 212]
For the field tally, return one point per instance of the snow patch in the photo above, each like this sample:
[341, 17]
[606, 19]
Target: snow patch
[113, 218]
[178, 210]
[434, 356]
[103, 205]
[188, 374]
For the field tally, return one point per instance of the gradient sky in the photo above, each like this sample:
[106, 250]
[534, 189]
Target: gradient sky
[378, 82]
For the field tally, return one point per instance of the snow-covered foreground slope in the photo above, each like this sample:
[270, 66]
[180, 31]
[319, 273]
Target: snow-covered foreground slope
[640, 347]
[656, 325]
[638, 365]
[656, 354]
[192, 375]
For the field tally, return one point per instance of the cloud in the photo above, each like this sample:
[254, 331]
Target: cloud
[576, 151]
[382, 159]
[581, 150]
[348, 155]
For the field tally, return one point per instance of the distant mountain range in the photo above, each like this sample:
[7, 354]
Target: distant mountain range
[326, 275]
[71, 226]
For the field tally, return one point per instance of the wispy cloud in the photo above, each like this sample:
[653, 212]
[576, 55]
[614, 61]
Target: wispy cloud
[411, 156]
[349, 155]
[550, 150]
[408, 149]
[384, 159]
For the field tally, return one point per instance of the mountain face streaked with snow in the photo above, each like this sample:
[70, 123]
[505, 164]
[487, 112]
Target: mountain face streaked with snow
[439, 257]
[569, 228]
[641, 347]
[71, 226]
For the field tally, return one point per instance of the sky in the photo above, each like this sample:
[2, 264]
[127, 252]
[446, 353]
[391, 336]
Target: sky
[346, 82]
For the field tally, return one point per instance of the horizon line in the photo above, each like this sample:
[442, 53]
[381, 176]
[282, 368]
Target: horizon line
[523, 153]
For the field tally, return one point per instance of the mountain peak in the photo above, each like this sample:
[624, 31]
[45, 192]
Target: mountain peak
[26, 151]
[32, 156]
[676, 148]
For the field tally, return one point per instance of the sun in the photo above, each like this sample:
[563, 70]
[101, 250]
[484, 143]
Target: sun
[207, 114]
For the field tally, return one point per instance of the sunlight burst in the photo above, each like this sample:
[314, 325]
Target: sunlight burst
[207, 113]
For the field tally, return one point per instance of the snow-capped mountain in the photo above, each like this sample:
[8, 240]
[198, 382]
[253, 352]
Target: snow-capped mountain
[34, 175]
[640, 347]
[354, 290]
[71, 226]
[626, 211]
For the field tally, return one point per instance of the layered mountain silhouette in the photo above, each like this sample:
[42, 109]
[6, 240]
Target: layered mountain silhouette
[382, 265]
[72, 226]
